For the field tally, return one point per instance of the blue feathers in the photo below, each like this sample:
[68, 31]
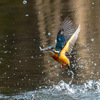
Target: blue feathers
[61, 41]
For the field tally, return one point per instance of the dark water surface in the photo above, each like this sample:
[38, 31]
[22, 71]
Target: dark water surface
[28, 73]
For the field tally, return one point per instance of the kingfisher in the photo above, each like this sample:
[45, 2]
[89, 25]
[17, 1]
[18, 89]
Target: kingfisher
[66, 38]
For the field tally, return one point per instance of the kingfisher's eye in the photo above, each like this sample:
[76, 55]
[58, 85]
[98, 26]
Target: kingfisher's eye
[62, 32]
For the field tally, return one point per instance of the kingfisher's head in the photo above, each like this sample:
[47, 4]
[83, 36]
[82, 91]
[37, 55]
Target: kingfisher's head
[60, 36]
[61, 32]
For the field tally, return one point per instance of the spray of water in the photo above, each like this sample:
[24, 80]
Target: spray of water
[70, 82]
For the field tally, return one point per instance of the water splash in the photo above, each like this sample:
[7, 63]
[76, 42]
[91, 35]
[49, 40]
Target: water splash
[70, 82]
[88, 91]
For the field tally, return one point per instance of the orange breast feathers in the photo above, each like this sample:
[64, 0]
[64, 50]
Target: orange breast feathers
[55, 55]
[61, 58]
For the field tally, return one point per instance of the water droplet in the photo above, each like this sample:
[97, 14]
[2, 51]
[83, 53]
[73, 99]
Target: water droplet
[55, 66]
[8, 66]
[57, 74]
[26, 74]
[17, 83]
[92, 72]
[48, 61]
[49, 33]
[6, 35]
[25, 60]
[4, 46]
[42, 72]
[97, 73]
[22, 79]
[15, 48]
[32, 57]
[43, 45]
[13, 41]
[16, 68]
[95, 64]
[27, 15]
[43, 32]
[5, 40]
[8, 77]
[24, 2]
[45, 86]
[9, 51]
[40, 55]
[5, 51]
[40, 87]
[14, 74]
[20, 61]
[33, 39]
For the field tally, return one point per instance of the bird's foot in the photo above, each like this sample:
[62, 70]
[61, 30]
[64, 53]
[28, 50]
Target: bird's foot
[63, 66]
[43, 49]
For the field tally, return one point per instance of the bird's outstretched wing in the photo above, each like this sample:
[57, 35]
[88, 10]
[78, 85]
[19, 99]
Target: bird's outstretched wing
[69, 45]
[67, 29]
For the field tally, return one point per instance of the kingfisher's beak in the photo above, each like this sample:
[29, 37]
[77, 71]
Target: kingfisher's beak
[69, 67]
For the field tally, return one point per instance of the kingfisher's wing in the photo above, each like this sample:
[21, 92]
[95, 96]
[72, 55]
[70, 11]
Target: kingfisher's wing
[67, 29]
[70, 43]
